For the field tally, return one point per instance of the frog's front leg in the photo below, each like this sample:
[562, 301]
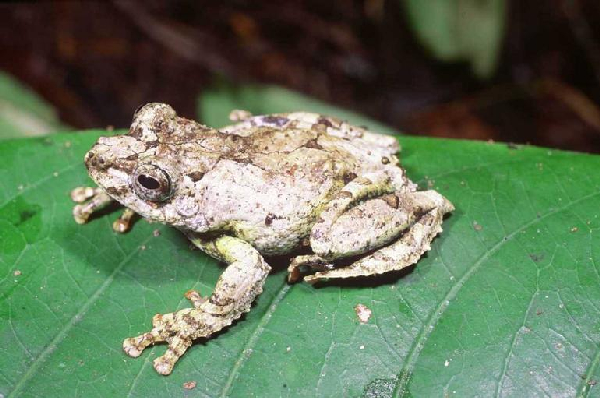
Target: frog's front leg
[241, 282]
[92, 199]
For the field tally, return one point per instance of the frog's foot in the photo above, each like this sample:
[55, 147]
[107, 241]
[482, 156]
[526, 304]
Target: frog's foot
[177, 329]
[306, 263]
[406, 250]
[91, 199]
[238, 115]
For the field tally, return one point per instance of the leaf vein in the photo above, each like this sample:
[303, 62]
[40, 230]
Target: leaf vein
[260, 327]
[433, 318]
[72, 322]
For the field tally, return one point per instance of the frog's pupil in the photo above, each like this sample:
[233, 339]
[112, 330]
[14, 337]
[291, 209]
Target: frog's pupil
[148, 182]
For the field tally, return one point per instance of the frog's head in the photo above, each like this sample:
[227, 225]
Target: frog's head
[156, 168]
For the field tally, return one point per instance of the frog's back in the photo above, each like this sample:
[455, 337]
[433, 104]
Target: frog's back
[272, 188]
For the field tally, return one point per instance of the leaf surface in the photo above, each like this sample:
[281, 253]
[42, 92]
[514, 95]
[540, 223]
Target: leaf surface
[506, 303]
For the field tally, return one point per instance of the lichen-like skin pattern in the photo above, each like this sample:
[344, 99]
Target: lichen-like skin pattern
[267, 185]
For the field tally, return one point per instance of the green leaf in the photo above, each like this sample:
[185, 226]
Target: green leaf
[506, 303]
[23, 112]
[460, 30]
[215, 104]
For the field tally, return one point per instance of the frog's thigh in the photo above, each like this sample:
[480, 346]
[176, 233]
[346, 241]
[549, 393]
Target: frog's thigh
[361, 188]
[367, 226]
[374, 223]
[404, 252]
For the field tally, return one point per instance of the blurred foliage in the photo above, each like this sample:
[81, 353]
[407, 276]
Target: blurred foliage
[215, 104]
[460, 30]
[23, 112]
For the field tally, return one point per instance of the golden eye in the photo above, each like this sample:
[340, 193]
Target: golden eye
[151, 183]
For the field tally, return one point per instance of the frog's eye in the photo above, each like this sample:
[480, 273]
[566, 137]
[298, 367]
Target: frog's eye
[151, 183]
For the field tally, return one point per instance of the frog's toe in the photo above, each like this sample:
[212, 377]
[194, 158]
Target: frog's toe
[162, 366]
[178, 345]
[134, 346]
[80, 214]
[124, 222]
[91, 200]
[194, 296]
[81, 194]
[131, 348]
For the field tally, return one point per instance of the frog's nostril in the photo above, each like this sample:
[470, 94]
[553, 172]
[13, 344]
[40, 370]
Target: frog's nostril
[89, 159]
[93, 159]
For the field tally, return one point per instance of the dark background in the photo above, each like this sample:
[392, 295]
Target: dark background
[98, 61]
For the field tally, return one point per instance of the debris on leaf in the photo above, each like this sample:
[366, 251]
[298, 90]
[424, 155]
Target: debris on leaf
[189, 385]
[363, 313]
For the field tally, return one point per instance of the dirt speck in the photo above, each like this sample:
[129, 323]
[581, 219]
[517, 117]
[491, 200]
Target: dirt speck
[363, 313]
[189, 385]
[536, 257]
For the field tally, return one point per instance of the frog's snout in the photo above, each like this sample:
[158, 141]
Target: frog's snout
[100, 157]
[95, 159]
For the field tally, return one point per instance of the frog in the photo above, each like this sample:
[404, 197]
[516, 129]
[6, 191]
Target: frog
[330, 195]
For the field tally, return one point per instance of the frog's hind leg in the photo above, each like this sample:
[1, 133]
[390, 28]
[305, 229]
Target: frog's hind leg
[400, 254]
[365, 216]
[394, 229]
